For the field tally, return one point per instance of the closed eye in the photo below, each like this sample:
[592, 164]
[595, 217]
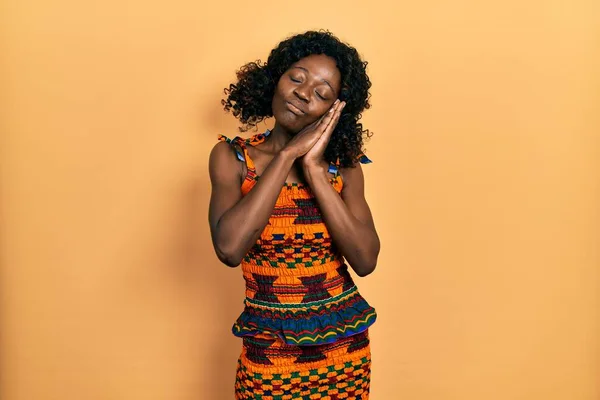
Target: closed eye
[299, 81]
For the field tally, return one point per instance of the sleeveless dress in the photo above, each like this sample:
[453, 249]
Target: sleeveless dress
[304, 325]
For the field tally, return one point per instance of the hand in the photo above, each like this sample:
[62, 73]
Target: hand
[314, 156]
[304, 140]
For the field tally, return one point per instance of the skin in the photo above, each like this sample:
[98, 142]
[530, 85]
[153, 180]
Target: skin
[293, 152]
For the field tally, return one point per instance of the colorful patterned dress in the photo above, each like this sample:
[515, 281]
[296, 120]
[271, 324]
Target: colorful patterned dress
[304, 324]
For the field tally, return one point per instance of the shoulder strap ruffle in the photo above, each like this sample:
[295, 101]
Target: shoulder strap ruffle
[240, 150]
[334, 167]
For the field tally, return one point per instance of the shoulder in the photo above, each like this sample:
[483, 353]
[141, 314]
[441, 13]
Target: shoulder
[354, 173]
[223, 162]
[353, 177]
[222, 152]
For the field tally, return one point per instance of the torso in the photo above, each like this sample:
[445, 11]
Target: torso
[298, 288]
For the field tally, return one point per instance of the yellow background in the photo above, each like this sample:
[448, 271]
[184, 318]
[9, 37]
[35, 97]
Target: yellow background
[484, 189]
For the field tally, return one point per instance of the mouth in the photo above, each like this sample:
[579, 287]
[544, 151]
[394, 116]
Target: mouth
[294, 109]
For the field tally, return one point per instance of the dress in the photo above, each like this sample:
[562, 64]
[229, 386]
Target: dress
[304, 325]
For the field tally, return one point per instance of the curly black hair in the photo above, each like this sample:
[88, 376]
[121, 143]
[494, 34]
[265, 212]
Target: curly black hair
[250, 98]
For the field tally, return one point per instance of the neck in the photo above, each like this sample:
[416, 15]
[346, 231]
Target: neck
[279, 137]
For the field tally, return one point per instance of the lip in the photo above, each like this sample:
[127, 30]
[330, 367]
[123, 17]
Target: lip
[294, 108]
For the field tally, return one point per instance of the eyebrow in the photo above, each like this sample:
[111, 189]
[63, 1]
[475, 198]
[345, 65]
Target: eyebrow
[324, 80]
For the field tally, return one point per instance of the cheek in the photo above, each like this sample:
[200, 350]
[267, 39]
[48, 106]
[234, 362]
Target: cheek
[282, 87]
[318, 112]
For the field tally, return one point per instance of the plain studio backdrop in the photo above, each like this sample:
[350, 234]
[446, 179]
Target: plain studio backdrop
[484, 188]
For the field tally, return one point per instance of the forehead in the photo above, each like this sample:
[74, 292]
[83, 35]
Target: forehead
[321, 67]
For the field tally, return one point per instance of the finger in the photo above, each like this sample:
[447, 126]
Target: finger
[317, 124]
[328, 116]
[336, 112]
[331, 109]
[321, 124]
[313, 125]
[333, 121]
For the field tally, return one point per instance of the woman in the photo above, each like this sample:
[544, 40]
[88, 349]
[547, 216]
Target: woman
[288, 205]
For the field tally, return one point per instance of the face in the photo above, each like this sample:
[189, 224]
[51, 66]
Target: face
[306, 91]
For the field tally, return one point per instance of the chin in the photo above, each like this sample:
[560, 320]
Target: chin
[291, 129]
[288, 121]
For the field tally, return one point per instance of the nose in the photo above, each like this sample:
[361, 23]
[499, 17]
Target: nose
[302, 93]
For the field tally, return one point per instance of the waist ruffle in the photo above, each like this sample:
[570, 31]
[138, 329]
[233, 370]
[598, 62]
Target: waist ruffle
[312, 323]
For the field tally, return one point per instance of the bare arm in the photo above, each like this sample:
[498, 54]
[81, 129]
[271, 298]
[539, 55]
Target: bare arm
[237, 221]
[348, 217]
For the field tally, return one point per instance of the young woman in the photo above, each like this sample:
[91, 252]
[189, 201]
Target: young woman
[288, 205]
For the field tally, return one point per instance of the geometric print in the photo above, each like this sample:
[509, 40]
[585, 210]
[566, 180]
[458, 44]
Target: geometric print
[306, 212]
[315, 289]
[304, 326]
[280, 251]
[350, 381]
[336, 371]
[265, 290]
[307, 323]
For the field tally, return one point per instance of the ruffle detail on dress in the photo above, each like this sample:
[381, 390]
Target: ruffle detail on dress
[313, 323]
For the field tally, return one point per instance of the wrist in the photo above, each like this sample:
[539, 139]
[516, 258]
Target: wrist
[309, 164]
[314, 170]
[288, 154]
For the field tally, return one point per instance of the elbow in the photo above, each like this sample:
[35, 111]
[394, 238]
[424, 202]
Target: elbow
[365, 267]
[368, 263]
[365, 270]
[228, 258]
[230, 261]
